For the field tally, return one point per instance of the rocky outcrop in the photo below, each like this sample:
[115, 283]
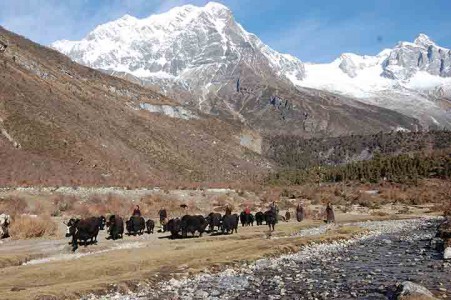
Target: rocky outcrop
[409, 290]
[447, 253]
[199, 49]
[422, 55]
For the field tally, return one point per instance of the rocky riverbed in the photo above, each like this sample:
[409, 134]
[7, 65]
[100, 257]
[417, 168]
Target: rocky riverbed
[367, 267]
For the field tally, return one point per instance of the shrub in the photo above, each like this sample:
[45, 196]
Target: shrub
[38, 209]
[13, 206]
[63, 203]
[221, 200]
[379, 213]
[285, 204]
[118, 205]
[26, 227]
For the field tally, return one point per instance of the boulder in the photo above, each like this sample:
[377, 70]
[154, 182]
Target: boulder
[410, 290]
[447, 253]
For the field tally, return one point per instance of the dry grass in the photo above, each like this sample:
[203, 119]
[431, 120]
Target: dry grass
[425, 192]
[27, 227]
[13, 206]
[379, 213]
[62, 203]
[105, 205]
[151, 204]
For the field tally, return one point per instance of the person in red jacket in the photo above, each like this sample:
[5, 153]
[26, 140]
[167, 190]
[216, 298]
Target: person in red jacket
[247, 210]
[136, 211]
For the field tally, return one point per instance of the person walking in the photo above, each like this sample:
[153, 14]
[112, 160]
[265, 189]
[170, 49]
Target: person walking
[136, 211]
[300, 212]
[330, 217]
[228, 210]
[274, 210]
[163, 218]
[287, 215]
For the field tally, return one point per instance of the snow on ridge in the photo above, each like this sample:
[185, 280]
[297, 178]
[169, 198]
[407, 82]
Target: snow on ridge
[143, 47]
[199, 50]
[365, 76]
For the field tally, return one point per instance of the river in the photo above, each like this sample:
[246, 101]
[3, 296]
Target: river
[367, 267]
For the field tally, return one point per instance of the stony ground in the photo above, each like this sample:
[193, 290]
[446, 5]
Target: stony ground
[366, 267]
[47, 269]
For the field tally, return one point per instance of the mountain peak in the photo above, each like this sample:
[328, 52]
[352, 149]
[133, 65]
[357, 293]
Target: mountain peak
[215, 6]
[423, 40]
[126, 19]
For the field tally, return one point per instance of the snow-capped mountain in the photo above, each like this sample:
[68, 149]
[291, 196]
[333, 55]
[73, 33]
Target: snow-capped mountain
[188, 46]
[418, 66]
[203, 58]
[413, 78]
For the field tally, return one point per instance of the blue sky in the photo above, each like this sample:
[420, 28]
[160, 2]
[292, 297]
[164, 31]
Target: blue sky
[316, 31]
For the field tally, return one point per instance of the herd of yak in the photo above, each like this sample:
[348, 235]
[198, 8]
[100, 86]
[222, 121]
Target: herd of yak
[87, 230]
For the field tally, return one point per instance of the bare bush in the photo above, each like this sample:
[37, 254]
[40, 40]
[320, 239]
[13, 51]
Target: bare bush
[221, 200]
[285, 204]
[38, 208]
[379, 213]
[118, 205]
[26, 227]
[62, 203]
[13, 206]
[151, 204]
[80, 209]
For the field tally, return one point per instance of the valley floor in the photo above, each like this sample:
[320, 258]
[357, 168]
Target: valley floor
[47, 269]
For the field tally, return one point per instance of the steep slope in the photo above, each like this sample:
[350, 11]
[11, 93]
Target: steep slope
[62, 123]
[412, 78]
[203, 58]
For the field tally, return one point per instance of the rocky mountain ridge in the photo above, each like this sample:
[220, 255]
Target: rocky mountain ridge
[203, 58]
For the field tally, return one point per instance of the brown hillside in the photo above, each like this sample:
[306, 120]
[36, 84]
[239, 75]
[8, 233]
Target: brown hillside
[62, 123]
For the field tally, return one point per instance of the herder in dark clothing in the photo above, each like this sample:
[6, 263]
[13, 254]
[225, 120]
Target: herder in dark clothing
[287, 215]
[137, 211]
[299, 213]
[228, 210]
[275, 210]
[163, 218]
[330, 217]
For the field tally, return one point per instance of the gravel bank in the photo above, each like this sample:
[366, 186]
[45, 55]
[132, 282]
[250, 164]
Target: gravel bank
[366, 267]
